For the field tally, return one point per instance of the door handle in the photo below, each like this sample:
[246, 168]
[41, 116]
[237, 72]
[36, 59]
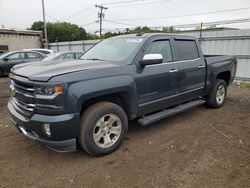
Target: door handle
[201, 66]
[173, 70]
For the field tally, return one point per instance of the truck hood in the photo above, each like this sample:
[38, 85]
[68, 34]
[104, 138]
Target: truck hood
[43, 71]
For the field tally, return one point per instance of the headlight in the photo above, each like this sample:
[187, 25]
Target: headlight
[49, 90]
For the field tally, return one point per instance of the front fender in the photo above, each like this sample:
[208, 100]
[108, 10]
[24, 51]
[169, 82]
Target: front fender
[79, 92]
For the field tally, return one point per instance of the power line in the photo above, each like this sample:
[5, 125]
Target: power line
[141, 4]
[123, 2]
[83, 15]
[184, 15]
[223, 22]
[52, 17]
[90, 23]
[121, 23]
[58, 20]
[78, 13]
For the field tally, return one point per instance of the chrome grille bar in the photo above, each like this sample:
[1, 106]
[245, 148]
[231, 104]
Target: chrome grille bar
[22, 87]
[28, 107]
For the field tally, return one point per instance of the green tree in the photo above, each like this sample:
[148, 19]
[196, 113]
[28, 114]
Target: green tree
[38, 26]
[168, 29]
[92, 36]
[61, 31]
[144, 29]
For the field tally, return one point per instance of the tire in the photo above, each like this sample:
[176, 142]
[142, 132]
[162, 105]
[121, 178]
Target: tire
[1, 72]
[96, 127]
[217, 96]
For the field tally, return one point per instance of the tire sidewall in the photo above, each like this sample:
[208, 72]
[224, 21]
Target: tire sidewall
[88, 134]
[1, 72]
[218, 84]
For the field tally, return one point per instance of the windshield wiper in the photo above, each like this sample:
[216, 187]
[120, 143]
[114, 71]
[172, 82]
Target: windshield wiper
[96, 59]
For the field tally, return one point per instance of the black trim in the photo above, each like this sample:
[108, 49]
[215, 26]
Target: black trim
[165, 98]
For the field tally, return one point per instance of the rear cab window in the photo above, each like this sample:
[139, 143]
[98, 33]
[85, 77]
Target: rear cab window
[186, 49]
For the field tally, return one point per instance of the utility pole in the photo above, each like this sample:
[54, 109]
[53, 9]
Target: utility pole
[45, 26]
[201, 32]
[101, 16]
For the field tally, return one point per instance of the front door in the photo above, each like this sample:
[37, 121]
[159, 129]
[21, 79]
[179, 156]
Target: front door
[157, 84]
[13, 59]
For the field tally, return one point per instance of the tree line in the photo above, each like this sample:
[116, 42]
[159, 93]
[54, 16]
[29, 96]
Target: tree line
[65, 31]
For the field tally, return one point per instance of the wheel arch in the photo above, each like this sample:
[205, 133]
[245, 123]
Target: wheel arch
[226, 76]
[121, 98]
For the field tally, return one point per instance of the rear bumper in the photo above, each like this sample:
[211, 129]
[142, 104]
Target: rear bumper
[64, 129]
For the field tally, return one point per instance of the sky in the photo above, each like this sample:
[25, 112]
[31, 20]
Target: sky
[21, 14]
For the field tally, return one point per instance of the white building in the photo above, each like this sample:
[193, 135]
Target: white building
[11, 39]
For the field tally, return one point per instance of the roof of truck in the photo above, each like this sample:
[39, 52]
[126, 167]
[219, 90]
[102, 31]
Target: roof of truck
[148, 35]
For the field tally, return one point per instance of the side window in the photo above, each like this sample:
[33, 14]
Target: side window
[78, 55]
[31, 55]
[160, 47]
[68, 56]
[16, 56]
[43, 52]
[187, 49]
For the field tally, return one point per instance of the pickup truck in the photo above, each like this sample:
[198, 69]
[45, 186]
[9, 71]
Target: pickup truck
[142, 77]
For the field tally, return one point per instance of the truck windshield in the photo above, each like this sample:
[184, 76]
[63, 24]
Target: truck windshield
[113, 49]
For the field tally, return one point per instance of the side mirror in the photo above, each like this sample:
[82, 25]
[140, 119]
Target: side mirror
[6, 59]
[151, 59]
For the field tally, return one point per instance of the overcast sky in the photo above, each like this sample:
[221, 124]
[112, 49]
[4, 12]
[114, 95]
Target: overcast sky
[22, 13]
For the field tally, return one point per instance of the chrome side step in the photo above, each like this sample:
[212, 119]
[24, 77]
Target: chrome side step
[146, 120]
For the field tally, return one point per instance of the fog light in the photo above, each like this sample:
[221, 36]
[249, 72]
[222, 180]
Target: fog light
[46, 127]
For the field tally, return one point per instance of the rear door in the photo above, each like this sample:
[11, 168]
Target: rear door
[192, 69]
[70, 55]
[33, 56]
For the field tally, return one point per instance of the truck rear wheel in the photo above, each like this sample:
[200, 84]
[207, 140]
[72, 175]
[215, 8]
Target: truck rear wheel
[103, 127]
[217, 96]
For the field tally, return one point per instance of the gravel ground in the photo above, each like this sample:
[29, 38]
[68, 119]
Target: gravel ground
[200, 148]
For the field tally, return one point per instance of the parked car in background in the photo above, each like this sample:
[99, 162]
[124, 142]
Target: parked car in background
[57, 57]
[63, 55]
[46, 52]
[8, 60]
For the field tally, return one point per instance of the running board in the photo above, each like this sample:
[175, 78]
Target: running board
[146, 120]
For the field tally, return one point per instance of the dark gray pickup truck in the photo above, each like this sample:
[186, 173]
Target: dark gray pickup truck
[88, 102]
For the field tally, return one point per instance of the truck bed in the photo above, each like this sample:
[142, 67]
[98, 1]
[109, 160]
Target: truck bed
[210, 59]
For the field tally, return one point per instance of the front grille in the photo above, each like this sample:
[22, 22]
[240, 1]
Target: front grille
[22, 92]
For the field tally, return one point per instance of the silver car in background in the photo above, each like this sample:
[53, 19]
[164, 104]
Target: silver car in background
[63, 55]
[46, 52]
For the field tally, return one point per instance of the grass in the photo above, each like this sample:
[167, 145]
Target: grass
[245, 84]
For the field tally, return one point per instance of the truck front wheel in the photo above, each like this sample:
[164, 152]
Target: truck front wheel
[103, 127]
[217, 96]
[1, 72]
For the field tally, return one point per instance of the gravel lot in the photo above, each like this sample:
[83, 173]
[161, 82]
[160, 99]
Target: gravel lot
[200, 148]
